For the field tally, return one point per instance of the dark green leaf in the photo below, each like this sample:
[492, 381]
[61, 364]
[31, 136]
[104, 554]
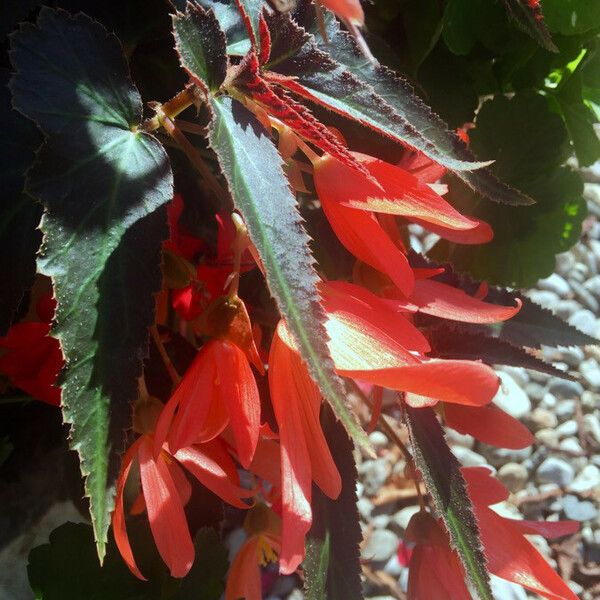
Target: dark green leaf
[534, 326]
[260, 191]
[526, 239]
[238, 41]
[423, 25]
[101, 182]
[380, 99]
[571, 16]
[529, 18]
[579, 120]
[444, 481]
[67, 569]
[458, 341]
[332, 564]
[206, 579]
[201, 46]
[19, 214]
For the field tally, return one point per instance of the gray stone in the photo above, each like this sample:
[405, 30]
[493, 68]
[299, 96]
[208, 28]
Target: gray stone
[584, 296]
[393, 566]
[378, 440]
[519, 374]
[590, 371]
[564, 388]
[565, 263]
[572, 356]
[578, 510]
[576, 588]
[380, 545]
[565, 308]
[544, 298]
[571, 445]
[587, 480]
[374, 474]
[555, 470]
[579, 273]
[506, 590]
[284, 585]
[567, 429]
[534, 390]
[511, 398]
[548, 401]
[554, 283]
[565, 410]
[380, 521]
[403, 517]
[365, 507]
[458, 439]
[547, 437]
[499, 456]
[296, 595]
[589, 400]
[513, 476]
[592, 285]
[541, 418]
[592, 428]
[584, 320]
[468, 458]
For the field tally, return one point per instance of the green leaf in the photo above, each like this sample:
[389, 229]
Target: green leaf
[423, 26]
[526, 239]
[100, 181]
[579, 120]
[530, 19]
[459, 341]
[332, 564]
[19, 213]
[253, 169]
[201, 46]
[338, 76]
[570, 17]
[444, 481]
[67, 569]
[252, 10]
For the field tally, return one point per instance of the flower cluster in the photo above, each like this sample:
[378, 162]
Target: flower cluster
[219, 421]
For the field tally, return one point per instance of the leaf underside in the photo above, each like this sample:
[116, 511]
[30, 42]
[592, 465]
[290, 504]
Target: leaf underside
[528, 16]
[444, 481]
[253, 169]
[338, 76]
[101, 183]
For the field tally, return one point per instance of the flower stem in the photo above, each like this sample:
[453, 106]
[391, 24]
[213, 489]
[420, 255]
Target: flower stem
[175, 377]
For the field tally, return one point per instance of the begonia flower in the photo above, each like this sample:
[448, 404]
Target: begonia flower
[346, 9]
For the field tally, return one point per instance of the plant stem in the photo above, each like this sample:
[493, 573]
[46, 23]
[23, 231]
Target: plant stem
[176, 105]
[175, 377]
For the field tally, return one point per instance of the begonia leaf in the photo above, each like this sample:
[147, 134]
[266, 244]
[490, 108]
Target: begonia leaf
[526, 239]
[338, 76]
[441, 473]
[570, 17]
[332, 563]
[260, 191]
[100, 181]
[455, 342]
[201, 46]
[528, 16]
[20, 213]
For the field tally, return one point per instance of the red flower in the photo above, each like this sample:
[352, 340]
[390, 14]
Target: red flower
[305, 455]
[33, 359]
[165, 490]
[435, 570]
[346, 9]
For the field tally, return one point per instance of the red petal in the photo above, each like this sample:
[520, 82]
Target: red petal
[490, 425]
[512, 557]
[184, 487]
[445, 301]
[359, 231]
[481, 233]
[422, 167]
[213, 468]
[547, 529]
[118, 517]
[404, 195]
[484, 488]
[165, 512]
[459, 381]
[243, 578]
[238, 391]
[266, 461]
[346, 9]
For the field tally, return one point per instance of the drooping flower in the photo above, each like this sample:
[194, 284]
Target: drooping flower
[218, 388]
[165, 490]
[305, 455]
[32, 359]
[261, 547]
